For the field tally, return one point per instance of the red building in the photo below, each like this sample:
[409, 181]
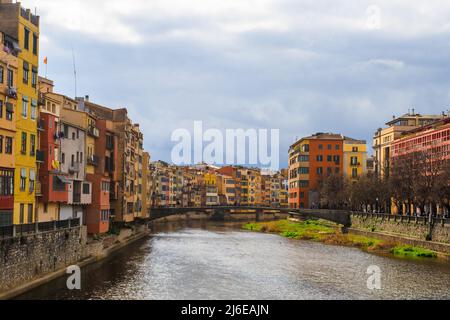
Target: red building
[104, 186]
[54, 183]
[434, 138]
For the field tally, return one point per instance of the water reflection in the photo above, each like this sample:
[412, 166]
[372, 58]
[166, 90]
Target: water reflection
[203, 260]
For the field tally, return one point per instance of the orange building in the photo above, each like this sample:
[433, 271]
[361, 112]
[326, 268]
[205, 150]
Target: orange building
[310, 159]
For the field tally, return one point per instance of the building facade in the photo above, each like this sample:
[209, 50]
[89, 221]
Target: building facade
[8, 104]
[19, 23]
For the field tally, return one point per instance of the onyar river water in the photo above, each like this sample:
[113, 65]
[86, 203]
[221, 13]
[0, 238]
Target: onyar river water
[205, 260]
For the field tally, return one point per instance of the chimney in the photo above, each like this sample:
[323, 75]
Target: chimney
[86, 98]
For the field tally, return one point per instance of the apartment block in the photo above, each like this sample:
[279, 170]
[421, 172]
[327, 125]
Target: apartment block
[384, 137]
[19, 23]
[8, 104]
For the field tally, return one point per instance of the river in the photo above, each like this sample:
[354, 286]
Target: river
[205, 260]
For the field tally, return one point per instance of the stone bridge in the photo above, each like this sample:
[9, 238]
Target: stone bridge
[219, 213]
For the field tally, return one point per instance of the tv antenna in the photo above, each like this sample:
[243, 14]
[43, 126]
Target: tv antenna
[74, 72]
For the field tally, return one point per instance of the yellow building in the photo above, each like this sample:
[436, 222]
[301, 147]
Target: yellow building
[355, 158]
[21, 24]
[211, 189]
[8, 102]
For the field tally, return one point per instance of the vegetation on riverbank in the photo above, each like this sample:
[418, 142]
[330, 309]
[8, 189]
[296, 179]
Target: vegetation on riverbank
[330, 233]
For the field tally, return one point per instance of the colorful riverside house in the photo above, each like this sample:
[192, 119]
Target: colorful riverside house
[355, 158]
[147, 186]
[72, 140]
[21, 24]
[52, 192]
[8, 102]
[432, 139]
[310, 159]
[384, 137]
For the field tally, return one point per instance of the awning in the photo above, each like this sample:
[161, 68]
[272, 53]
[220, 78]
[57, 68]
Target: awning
[23, 173]
[63, 179]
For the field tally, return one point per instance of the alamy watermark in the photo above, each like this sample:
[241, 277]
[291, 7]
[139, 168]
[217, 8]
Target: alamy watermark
[229, 147]
[74, 280]
[374, 280]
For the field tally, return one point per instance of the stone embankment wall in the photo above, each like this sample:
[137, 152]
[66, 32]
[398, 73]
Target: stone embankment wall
[23, 259]
[408, 228]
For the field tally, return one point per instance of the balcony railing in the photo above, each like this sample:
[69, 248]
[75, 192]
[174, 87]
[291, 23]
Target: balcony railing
[93, 160]
[93, 131]
[74, 168]
[39, 227]
[11, 92]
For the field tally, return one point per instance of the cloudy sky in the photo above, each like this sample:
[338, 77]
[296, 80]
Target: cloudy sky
[301, 66]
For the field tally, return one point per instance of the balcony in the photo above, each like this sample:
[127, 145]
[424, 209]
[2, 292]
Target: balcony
[93, 160]
[38, 189]
[41, 99]
[74, 168]
[93, 131]
[11, 92]
[40, 156]
[41, 125]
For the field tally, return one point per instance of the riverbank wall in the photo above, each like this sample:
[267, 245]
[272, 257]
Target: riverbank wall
[30, 261]
[227, 217]
[410, 228]
[405, 231]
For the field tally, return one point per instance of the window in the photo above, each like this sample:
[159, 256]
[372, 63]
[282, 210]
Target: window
[302, 195]
[34, 74]
[8, 145]
[105, 186]
[337, 147]
[26, 70]
[303, 170]
[1, 144]
[10, 78]
[66, 131]
[9, 111]
[23, 179]
[32, 145]
[329, 147]
[319, 170]
[58, 184]
[354, 173]
[303, 183]
[355, 149]
[1, 109]
[1, 74]
[319, 158]
[26, 40]
[24, 106]
[354, 161]
[329, 158]
[32, 179]
[337, 159]
[35, 44]
[63, 158]
[30, 213]
[23, 147]
[104, 215]
[22, 213]
[73, 135]
[86, 188]
[6, 182]
[320, 146]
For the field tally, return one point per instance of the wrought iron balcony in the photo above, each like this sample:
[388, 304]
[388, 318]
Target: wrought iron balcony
[93, 131]
[93, 160]
[11, 92]
[74, 168]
